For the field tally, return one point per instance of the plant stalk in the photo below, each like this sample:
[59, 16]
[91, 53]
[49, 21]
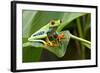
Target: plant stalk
[80, 39]
[79, 27]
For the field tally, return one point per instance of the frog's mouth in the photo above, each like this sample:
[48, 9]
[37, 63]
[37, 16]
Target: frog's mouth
[56, 25]
[53, 26]
[29, 39]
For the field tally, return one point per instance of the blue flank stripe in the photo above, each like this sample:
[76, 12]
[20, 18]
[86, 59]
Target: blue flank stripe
[39, 33]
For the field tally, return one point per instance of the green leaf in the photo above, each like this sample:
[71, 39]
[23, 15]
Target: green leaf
[33, 21]
[69, 17]
[28, 17]
[31, 54]
[58, 50]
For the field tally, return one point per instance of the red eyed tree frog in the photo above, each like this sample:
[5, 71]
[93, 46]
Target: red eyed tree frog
[47, 32]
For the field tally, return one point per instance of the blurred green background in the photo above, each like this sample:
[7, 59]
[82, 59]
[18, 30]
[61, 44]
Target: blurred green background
[78, 23]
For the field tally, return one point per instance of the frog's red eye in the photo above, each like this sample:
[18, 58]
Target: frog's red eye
[52, 22]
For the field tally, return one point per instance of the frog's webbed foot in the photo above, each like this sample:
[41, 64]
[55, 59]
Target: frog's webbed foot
[54, 43]
[50, 43]
[47, 42]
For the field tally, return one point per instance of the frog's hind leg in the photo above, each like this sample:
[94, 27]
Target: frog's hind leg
[48, 41]
[40, 41]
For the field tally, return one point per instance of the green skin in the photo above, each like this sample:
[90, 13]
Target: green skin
[42, 32]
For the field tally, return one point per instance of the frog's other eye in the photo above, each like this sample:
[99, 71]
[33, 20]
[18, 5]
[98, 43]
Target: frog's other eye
[60, 21]
[52, 22]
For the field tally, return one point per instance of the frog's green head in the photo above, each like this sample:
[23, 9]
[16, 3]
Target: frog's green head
[55, 23]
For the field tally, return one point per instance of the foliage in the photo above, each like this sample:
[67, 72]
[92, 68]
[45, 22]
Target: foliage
[74, 23]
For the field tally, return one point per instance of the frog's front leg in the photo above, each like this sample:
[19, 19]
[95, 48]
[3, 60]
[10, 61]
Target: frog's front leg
[60, 36]
[48, 41]
[45, 42]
